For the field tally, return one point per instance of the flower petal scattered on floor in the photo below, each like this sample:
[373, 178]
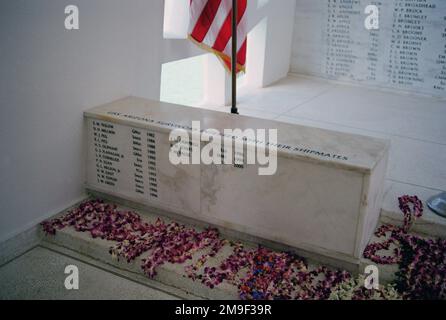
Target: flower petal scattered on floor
[267, 274]
[422, 261]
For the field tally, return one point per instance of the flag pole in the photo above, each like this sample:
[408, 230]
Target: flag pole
[234, 57]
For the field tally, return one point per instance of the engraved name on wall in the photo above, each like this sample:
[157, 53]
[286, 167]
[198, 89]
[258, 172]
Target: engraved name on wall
[407, 52]
[133, 163]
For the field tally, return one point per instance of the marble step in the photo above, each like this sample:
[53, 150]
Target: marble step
[96, 251]
[171, 278]
[171, 275]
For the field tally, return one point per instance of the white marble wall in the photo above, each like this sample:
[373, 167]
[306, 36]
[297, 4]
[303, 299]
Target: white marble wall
[327, 205]
[407, 52]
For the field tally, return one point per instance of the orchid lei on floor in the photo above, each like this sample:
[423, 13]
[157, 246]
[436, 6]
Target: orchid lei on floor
[422, 261]
[165, 242]
[266, 274]
[271, 275]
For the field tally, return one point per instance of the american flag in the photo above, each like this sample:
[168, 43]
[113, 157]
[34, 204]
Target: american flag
[210, 27]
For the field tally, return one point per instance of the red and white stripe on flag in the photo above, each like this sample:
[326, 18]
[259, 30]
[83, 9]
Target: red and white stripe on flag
[210, 27]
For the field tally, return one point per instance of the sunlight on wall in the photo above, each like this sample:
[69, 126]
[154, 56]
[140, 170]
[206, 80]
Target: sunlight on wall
[182, 81]
[176, 19]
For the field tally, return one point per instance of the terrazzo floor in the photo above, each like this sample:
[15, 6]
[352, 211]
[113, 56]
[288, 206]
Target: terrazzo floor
[40, 274]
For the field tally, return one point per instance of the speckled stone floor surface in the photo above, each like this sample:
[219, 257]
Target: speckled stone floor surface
[40, 274]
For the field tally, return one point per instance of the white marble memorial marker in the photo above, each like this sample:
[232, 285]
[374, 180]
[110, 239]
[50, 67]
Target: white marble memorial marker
[325, 197]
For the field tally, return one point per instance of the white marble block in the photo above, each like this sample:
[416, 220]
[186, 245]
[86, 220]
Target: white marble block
[325, 197]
